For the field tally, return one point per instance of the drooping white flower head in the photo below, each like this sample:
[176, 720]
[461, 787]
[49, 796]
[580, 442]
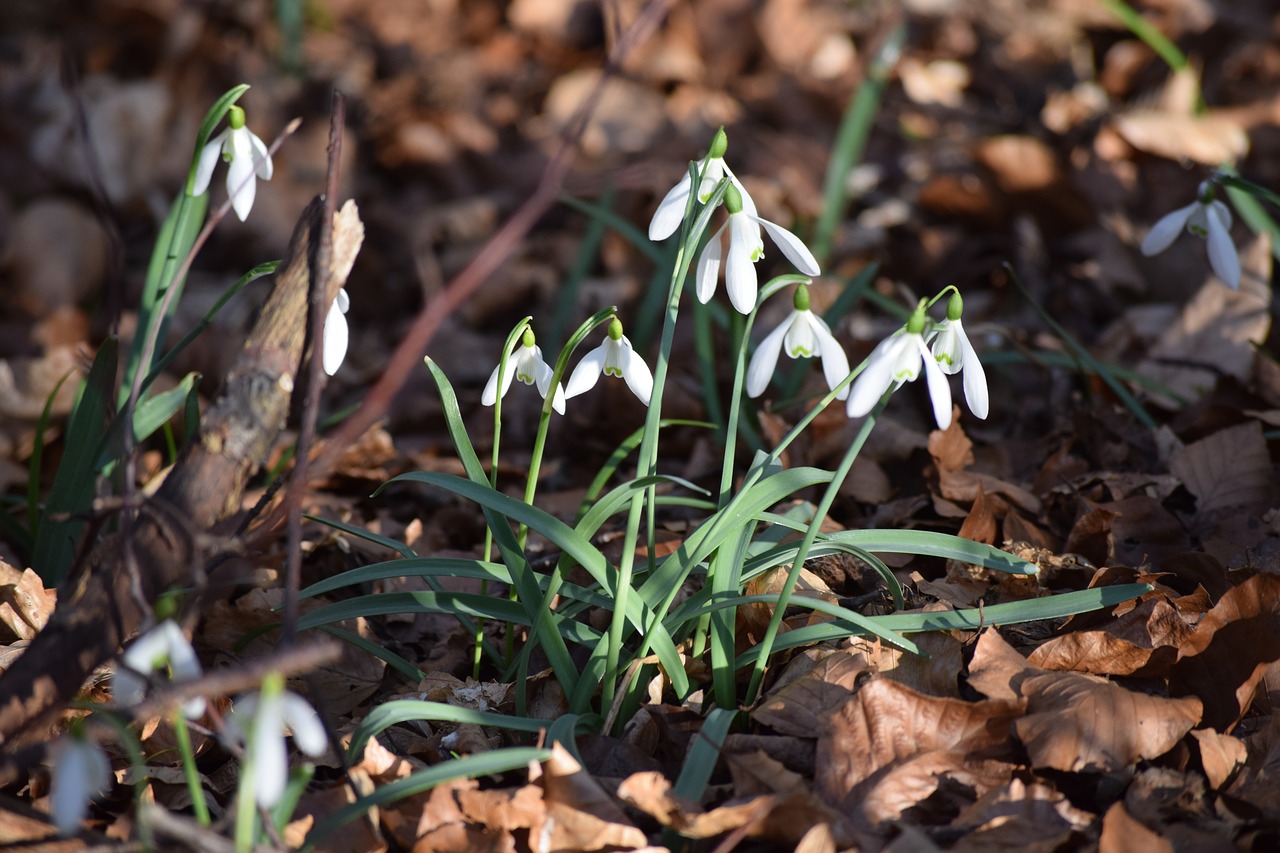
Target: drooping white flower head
[246, 155]
[954, 354]
[258, 721]
[746, 246]
[525, 363]
[803, 335]
[334, 346]
[163, 647]
[80, 771]
[1207, 218]
[896, 360]
[667, 218]
[614, 357]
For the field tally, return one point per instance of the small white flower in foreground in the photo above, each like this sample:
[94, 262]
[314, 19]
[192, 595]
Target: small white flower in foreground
[955, 354]
[802, 334]
[746, 246]
[525, 363]
[334, 349]
[666, 219]
[163, 647]
[247, 156]
[897, 359]
[80, 771]
[1208, 219]
[259, 721]
[614, 357]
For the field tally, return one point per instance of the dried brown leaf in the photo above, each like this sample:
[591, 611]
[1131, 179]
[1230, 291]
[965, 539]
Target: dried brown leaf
[1143, 642]
[997, 670]
[1081, 723]
[1225, 659]
[579, 814]
[800, 706]
[1227, 470]
[1220, 755]
[25, 604]
[1122, 833]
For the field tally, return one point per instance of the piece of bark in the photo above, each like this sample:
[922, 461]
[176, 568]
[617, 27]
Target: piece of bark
[96, 611]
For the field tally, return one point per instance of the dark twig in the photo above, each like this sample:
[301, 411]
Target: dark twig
[313, 375]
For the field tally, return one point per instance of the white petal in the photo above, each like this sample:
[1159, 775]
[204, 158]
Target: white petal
[835, 364]
[765, 360]
[304, 722]
[801, 342]
[1222, 252]
[712, 171]
[209, 157]
[946, 347]
[80, 771]
[876, 377]
[490, 394]
[748, 203]
[939, 390]
[666, 219]
[128, 688]
[335, 339]
[269, 755]
[636, 372]
[261, 157]
[543, 380]
[242, 186]
[1165, 231]
[587, 373]
[709, 267]
[343, 301]
[1222, 211]
[975, 381]
[740, 269]
[792, 246]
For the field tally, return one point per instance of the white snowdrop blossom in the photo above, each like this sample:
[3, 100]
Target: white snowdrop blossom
[259, 720]
[746, 246]
[334, 346]
[614, 357]
[1207, 218]
[80, 771]
[954, 354]
[246, 156]
[667, 218]
[163, 647]
[525, 363]
[897, 360]
[803, 335]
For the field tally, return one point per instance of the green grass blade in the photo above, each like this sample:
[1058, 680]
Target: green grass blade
[704, 754]
[350, 529]
[399, 711]
[393, 660]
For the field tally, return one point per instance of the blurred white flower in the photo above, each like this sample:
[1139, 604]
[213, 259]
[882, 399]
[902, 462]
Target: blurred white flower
[954, 354]
[802, 334]
[163, 647]
[525, 363]
[334, 349]
[746, 246]
[246, 155]
[666, 219]
[896, 360]
[1208, 219]
[614, 357]
[259, 722]
[80, 771]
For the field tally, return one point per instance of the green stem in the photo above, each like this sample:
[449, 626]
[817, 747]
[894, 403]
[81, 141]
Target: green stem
[189, 769]
[810, 534]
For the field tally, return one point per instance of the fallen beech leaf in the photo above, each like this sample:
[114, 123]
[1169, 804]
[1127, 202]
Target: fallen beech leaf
[1122, 833]
[1036, 807]
[1227, 470]
[1220, 755]
[1143, 642]
[997, 670]
[757, 772]
[25, 604]
[1227, 656]
[933, 672]
[800, 706]
[579, 814]
[1081, 723]
[887, 725]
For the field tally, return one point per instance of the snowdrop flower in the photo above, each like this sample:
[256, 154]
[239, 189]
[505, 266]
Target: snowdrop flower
[1208, 219]
[954, 354]
[803, 334]
[527, 366]
[247, 156]
[163, 647]
[670, 212]
[259, 720]
[614, 357]
[334, 349]
[746, 246]
[897, 359]
[80, 771]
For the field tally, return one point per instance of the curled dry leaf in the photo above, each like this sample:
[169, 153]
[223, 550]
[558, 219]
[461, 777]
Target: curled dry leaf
[1220, 755]
[579, 814]
[1223, 662]
[25, 604]
[887, 727]
[1081, 723]
[1122, 831]
[800, 706]
[997, 670]
[1143, 642]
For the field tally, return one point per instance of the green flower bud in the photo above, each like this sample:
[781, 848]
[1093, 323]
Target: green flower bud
[527, 338]
[732, 199]
[719, 144]
[955, 306]
[918, 320]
